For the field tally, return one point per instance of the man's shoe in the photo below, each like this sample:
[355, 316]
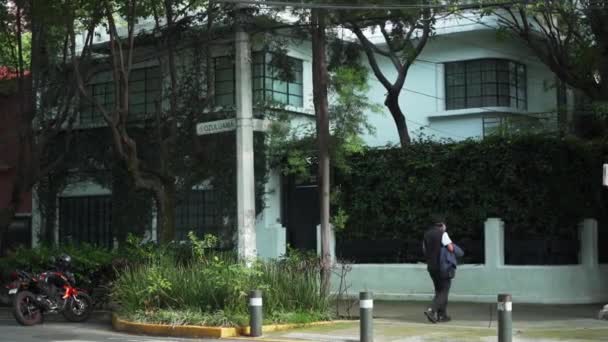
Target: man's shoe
[431, 315]
[444, 319]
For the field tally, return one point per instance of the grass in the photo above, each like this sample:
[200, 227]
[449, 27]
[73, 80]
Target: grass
[584, 334]
[216, 319]
[212, 289]
[184, 317]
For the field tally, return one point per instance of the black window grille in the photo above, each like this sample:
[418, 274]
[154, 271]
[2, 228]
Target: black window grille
[197, 212]
[485, 83]
[86, 219]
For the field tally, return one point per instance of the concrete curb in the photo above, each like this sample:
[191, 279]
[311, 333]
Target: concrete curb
[196, 331]
[171, 330]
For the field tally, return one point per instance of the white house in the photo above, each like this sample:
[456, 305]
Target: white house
[466, 81]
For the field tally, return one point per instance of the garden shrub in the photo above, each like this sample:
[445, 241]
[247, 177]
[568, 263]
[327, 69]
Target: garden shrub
[213, 287]
[540, 186]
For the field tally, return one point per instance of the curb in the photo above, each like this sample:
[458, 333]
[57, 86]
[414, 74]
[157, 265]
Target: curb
[171, 330]
[196, 331]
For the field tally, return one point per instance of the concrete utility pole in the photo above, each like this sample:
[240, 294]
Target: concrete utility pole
[244, 142]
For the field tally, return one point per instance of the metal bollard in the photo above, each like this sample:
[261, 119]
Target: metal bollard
[366, 316]
[505, 306]
[255, 313]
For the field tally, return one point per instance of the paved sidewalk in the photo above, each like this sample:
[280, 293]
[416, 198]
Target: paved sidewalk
[404, 322]
[394, 322]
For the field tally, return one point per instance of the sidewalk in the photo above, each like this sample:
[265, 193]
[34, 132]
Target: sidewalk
[404, 322]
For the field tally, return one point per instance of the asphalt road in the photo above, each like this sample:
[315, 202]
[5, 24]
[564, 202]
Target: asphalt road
[56, 329]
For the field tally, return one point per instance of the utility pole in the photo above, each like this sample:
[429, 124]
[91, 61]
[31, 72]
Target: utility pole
[320, 80]
[244, 142]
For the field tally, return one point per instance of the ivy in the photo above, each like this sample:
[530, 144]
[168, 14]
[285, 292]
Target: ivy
[539, 186]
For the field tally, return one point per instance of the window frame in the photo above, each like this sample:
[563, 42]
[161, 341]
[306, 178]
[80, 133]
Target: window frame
[262, 81]
[515, 78]
[269, 76]
[152, 89]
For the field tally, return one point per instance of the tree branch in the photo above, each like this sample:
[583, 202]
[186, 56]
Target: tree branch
[369, 48]
[392, 53]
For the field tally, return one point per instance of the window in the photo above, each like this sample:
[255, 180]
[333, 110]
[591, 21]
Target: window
[224, 81]
[485, 83]
[86, 219]
[269, 85]
[505, 124]
[144, 90]
[197, 212]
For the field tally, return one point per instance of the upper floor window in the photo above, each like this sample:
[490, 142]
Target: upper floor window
[224, 81]
[485, 83]
[269, 84]
[144, 90]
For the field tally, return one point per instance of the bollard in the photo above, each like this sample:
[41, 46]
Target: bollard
[505, 306]
[366, 316]
[255, 313]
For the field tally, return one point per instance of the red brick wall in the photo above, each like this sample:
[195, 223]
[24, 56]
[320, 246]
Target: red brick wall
[9, 111]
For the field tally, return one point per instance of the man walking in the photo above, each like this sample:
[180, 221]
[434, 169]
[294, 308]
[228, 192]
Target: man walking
[435, 239]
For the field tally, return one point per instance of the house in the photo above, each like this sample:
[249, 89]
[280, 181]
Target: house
[467, 83]
[19, 231]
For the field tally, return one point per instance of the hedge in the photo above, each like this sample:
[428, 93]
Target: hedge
[540, 186]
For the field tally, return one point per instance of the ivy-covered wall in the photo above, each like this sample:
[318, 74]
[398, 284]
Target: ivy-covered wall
[91, 159]
[539, 186]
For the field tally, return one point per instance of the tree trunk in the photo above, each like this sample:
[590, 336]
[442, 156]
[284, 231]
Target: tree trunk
[165, 204]
[320, 80]
[392, 103]
[50, 212]
[6, 217]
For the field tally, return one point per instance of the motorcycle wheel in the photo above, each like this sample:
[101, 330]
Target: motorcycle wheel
[25, 309]
[78, 308]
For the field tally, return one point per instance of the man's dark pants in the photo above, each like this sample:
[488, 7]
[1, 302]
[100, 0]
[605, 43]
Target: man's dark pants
[442, 290]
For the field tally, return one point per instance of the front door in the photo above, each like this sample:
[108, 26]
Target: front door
[301, 209]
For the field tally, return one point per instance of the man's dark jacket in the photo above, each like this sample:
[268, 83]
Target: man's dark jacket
[448, 262]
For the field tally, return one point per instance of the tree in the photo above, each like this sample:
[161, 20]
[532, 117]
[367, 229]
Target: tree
[570, 37]
[399, 30]
[169, 132]
[338, 123]
[31, 40]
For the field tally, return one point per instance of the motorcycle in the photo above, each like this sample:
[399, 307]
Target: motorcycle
[48, 292]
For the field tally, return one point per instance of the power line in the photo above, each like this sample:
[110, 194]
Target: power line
[307, 5]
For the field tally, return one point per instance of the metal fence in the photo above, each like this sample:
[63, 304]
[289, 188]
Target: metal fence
[514, 123]
[196, 212]
[542, 252]
[390, 251]
[86, 219]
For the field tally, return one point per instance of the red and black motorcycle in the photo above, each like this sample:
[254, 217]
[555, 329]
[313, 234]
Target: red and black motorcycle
[48, 292]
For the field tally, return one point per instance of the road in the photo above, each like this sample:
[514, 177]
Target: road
[56, 329]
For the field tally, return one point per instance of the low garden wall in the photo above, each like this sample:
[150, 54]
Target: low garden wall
[585, 282]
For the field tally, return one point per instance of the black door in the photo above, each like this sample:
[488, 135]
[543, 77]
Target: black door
[301, 213]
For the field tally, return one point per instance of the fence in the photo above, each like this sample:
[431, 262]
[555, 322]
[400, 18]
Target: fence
[394, 251]
[584, 282]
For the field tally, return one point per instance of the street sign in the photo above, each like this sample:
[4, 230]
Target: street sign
[219, 126]
[212, 127]
[605, 175]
